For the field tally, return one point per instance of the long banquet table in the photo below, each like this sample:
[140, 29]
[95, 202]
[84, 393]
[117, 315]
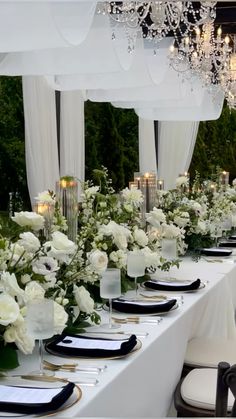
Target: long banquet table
[142, 384]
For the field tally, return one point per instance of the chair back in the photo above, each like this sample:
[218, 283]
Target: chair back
[226, 380]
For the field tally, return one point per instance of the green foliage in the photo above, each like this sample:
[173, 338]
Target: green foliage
[12, 147]
[216, 146]
[111, 141]
[8, 356]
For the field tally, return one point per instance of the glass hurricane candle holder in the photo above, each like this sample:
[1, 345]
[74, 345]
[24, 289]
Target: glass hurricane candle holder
[67, 197]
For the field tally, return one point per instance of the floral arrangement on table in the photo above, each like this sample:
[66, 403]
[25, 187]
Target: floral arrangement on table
[203, 213]
[33, 267]
[109, 226]
[31, 270]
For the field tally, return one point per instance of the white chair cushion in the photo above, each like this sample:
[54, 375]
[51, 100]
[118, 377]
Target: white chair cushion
[198, 389]
[209, 352]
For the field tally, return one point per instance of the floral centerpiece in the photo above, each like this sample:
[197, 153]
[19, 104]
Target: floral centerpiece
[30, 270]
[201, 212]
[110, 225]
[36, 265]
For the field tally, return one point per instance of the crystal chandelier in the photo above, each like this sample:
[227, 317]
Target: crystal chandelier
[228, 78]
[157, 19]
[203, 54]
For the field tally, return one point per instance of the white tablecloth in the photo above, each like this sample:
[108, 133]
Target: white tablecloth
[142, 384]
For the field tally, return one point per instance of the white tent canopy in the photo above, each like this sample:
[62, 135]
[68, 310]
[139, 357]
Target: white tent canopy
[67, 46]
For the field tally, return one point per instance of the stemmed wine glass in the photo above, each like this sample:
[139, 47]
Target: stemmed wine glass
[216, 232]
[110, 287]
[169, 250]
[135, 267]
[40, 325]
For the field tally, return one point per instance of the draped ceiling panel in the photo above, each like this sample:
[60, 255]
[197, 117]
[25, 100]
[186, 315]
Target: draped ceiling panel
[72, 46]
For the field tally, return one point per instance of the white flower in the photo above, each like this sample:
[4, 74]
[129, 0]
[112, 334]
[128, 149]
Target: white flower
[140, 237]
[120, 234]
[181, 181]
[9, 284]
[29, 219]
[45, 196]
[45, 265]
[156, 217]
[29, 242]
[25, 279]
[9, 309]
[152, 259]
[60, 247]
[132, 196]
[91, 191]
[60, 318]
[201, 227]
[119, 258]
[170, 231]
[182, 219]
[83, 299]
[34, 291]
[98, 260]
[17, 333]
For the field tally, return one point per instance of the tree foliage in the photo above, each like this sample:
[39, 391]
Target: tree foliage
[12, 145]
[216, 146]
[111, 140]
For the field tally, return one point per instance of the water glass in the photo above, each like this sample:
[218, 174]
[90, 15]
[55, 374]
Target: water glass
[110, 287]
[40, 324]
[169, 250]
[135, 266]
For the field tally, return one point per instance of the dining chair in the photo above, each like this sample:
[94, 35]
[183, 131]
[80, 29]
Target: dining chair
[204, 392]
[206, 352]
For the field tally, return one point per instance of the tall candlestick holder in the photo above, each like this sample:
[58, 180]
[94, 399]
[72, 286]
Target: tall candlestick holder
[160, 184]
[67, 197]
[224, 178]
[46, 209]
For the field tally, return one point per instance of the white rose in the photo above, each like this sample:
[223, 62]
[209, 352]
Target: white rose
[98, 260]
[45, 196]
[140, 237]
[30, 219]
[34, 291]
[61, 246]
[9, 309]
[156, 217]
[83, 299]
[29, 242]
[60, 318]
[18, 333]
[9, 284]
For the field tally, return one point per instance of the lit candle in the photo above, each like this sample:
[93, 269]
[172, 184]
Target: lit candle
[224, 178]
[138, 179]
[131, 185]
[160, 185]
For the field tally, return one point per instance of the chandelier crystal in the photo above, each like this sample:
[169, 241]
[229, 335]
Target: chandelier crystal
[208, 57]
[157, 19]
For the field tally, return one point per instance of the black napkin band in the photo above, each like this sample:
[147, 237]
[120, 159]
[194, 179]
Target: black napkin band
[35, 408]
[165, 287]
[126, 346]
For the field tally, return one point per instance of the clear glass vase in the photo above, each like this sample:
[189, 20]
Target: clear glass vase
[67, 196]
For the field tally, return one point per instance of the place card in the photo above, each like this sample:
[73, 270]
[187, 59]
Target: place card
[27, 395]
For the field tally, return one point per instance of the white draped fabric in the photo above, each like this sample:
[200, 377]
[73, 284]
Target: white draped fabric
[72, 136]
[73, 47]
[176, 142]
[147, 149]
[40, 135]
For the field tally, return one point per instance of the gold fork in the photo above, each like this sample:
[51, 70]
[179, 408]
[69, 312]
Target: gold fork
[73, 367]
